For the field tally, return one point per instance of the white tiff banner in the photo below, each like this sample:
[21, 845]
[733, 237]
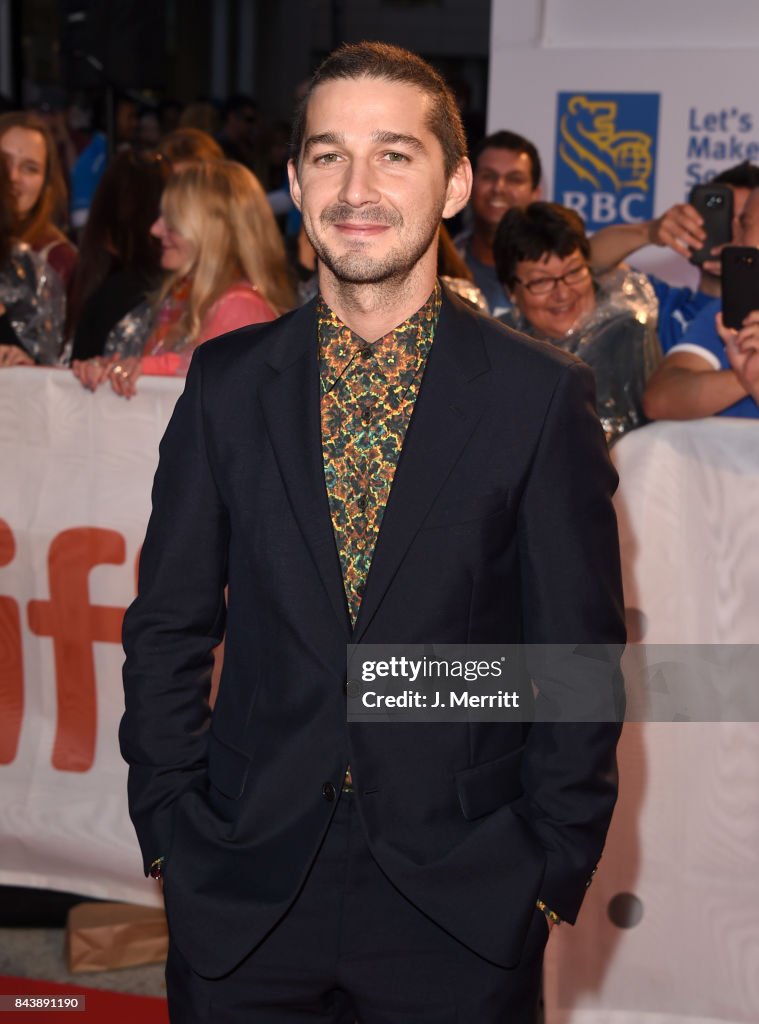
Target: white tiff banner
[77, 470]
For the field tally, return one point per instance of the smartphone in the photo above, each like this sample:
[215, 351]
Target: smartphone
[715, 204]
[740, 284]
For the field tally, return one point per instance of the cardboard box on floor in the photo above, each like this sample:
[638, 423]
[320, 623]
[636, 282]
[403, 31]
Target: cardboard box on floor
[106, 936]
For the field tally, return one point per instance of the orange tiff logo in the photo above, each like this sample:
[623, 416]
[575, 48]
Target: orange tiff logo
[74, 625]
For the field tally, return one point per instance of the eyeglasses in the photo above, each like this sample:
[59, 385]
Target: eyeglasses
[544, 285]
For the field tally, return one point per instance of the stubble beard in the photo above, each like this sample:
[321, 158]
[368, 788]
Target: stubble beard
[355, 266]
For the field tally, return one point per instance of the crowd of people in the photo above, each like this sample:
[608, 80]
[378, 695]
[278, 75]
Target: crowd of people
[183, 242]
[180, 245]
[659, 351]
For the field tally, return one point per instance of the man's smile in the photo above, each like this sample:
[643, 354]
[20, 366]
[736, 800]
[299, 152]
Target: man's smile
[361, 230]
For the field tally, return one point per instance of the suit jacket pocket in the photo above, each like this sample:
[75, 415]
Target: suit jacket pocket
[227, 768]
[491, 785]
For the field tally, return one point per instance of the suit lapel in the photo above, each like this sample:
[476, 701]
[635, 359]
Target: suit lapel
[445, 414]
[290, 403]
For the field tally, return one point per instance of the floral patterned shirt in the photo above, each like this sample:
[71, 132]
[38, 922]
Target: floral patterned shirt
[368, 393]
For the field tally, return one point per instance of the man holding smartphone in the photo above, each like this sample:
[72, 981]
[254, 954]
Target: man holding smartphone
[681, 228]
[713, 370]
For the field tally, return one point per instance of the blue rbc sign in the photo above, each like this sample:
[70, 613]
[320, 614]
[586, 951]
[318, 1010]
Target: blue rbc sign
[606, 155]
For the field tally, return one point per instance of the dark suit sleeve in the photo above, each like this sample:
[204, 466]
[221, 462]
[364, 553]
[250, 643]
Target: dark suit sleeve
[172, 627]
[572, 595]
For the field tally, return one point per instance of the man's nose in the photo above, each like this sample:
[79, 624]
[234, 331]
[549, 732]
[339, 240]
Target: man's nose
[358, 185]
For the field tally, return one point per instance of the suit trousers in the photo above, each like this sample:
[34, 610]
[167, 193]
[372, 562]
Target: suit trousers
[350, 949]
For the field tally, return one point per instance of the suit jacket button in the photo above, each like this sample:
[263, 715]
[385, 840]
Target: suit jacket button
[329, 792]
[353, 688]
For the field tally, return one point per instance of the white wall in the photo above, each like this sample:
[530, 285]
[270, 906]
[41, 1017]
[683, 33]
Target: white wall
[672, 24]
[693, 53]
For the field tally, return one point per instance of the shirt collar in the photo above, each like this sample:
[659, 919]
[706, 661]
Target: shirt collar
[398, 354]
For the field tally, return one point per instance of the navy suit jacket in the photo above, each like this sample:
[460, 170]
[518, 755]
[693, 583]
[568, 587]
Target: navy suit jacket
[499, 529]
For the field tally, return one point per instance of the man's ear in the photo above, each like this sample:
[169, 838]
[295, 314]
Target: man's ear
[292, 173]
[459, 189]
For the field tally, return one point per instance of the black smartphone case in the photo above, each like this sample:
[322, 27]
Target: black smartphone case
[715, 204]
[740, 284]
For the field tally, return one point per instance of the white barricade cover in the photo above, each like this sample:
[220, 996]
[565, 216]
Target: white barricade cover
[77, 470]
[669, 931]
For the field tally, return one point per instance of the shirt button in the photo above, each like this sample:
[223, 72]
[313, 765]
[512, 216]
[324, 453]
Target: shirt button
[329, 792]
[365, 353]
[362, 501]
[366, 415]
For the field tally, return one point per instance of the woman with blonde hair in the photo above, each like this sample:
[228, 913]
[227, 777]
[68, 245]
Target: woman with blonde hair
[38, 188]
[226, 269]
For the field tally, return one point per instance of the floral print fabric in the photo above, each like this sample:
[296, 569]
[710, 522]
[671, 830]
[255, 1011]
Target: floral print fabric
[368, 393]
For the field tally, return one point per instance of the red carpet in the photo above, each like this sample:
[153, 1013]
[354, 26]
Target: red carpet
[100, 1007]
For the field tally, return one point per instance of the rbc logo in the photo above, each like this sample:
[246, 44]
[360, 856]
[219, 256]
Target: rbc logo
[606, 156]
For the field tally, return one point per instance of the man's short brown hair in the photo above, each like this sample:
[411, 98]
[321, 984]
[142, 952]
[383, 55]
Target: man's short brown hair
[394, 64]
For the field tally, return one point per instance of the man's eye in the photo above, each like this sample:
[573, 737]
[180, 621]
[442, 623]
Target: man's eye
[396, 158]
[327, 158]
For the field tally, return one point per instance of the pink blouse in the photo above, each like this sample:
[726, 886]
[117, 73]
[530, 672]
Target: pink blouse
[239, 306]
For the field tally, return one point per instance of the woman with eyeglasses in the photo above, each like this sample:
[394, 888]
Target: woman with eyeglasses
[542, 259]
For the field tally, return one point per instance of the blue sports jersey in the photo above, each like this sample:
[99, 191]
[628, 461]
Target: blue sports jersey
[702, 339]
[677, 308]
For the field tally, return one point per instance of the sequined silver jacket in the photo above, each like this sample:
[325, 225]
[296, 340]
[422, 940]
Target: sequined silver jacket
[618, 340]
[34, 300]
[130, 335]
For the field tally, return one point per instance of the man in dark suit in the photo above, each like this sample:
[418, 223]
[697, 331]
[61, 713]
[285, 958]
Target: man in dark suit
[381, 466]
